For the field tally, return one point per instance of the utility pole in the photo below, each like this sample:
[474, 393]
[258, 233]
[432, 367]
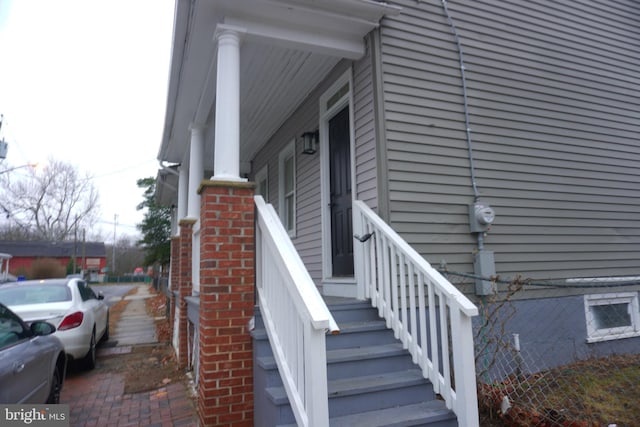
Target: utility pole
[84, 254]
[75, 246]
[113, 258]
[3, 145]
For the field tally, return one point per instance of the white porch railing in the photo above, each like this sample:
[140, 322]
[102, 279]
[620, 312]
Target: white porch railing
[295, 317]
[426, 312]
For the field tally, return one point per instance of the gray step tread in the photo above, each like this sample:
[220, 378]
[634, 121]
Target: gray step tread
[348, 354]
[345, 328]
[399, 416]
[362, 326]
[368, 352]
[360, 385]
[370, 383]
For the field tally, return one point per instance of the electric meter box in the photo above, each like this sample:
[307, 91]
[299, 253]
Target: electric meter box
[481, 216]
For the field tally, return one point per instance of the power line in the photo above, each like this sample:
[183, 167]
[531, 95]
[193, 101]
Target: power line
[119, 224]
[128, 168]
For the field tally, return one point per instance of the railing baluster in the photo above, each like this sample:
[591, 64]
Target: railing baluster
[394, 293]
[435, 349]
[403, 301]
[424, 345]
[386, 281]
[371, 264]
[413, 345]
[379, 289]
[444, 342]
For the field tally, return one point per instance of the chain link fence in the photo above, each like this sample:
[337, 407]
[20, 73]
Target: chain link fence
[558, 357]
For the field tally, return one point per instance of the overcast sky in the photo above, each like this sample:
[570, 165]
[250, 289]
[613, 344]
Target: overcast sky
[85, 81]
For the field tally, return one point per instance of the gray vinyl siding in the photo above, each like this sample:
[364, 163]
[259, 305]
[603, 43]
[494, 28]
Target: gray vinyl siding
[307, 195]
[364, 131]
[554, 104]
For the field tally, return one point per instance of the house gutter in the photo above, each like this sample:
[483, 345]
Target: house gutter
[182, 25]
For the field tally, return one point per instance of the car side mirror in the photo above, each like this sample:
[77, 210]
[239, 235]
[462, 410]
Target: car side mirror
[40, 328]
[100, 295]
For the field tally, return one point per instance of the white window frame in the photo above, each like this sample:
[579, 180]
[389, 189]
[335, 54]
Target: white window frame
[605, 334]
[263, 175]
[287, 152]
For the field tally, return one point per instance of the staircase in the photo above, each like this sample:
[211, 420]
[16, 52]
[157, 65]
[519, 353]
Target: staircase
[371, 379]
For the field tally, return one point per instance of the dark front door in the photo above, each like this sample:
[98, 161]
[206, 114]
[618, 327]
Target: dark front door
[340, 187]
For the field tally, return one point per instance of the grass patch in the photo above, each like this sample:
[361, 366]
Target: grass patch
[591, 392]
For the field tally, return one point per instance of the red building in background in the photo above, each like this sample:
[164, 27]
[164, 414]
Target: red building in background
[90, 256]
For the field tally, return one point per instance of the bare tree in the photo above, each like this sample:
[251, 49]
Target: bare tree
[50, 202]
[128, 255]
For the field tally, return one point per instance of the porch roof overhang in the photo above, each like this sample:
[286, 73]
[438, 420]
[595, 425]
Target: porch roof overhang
[288, 47]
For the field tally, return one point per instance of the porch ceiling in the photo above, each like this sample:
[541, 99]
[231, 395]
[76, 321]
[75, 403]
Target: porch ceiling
[289, 47]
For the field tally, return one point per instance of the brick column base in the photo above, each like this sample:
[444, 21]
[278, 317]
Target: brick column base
[227, 278]
[186, 285]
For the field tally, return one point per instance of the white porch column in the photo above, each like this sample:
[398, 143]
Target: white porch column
[196, 170]
[227, 127]
[183, 194]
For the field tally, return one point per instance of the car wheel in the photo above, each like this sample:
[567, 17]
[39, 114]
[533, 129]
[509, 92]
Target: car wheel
[56, 387]
[89, 360]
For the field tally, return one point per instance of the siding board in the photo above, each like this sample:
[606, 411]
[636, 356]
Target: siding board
[554, 108]
[364, 132]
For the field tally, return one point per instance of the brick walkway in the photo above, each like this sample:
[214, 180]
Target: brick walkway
[97, 398]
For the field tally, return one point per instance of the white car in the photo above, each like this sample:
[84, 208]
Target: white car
[80, 316]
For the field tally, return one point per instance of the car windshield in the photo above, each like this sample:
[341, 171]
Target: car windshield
[34, 294]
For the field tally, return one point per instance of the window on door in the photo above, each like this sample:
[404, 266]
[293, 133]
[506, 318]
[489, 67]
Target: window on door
[287, 188]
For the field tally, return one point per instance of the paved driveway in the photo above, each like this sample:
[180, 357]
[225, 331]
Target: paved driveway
[113, 293]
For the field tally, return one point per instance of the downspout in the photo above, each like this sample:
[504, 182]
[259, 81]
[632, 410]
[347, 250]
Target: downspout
[380, 127]
[167, 168]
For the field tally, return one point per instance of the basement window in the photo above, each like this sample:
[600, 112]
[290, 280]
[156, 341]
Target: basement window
[612, 316]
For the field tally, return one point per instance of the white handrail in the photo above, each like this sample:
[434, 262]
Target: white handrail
[295, 316]
[427, 313]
